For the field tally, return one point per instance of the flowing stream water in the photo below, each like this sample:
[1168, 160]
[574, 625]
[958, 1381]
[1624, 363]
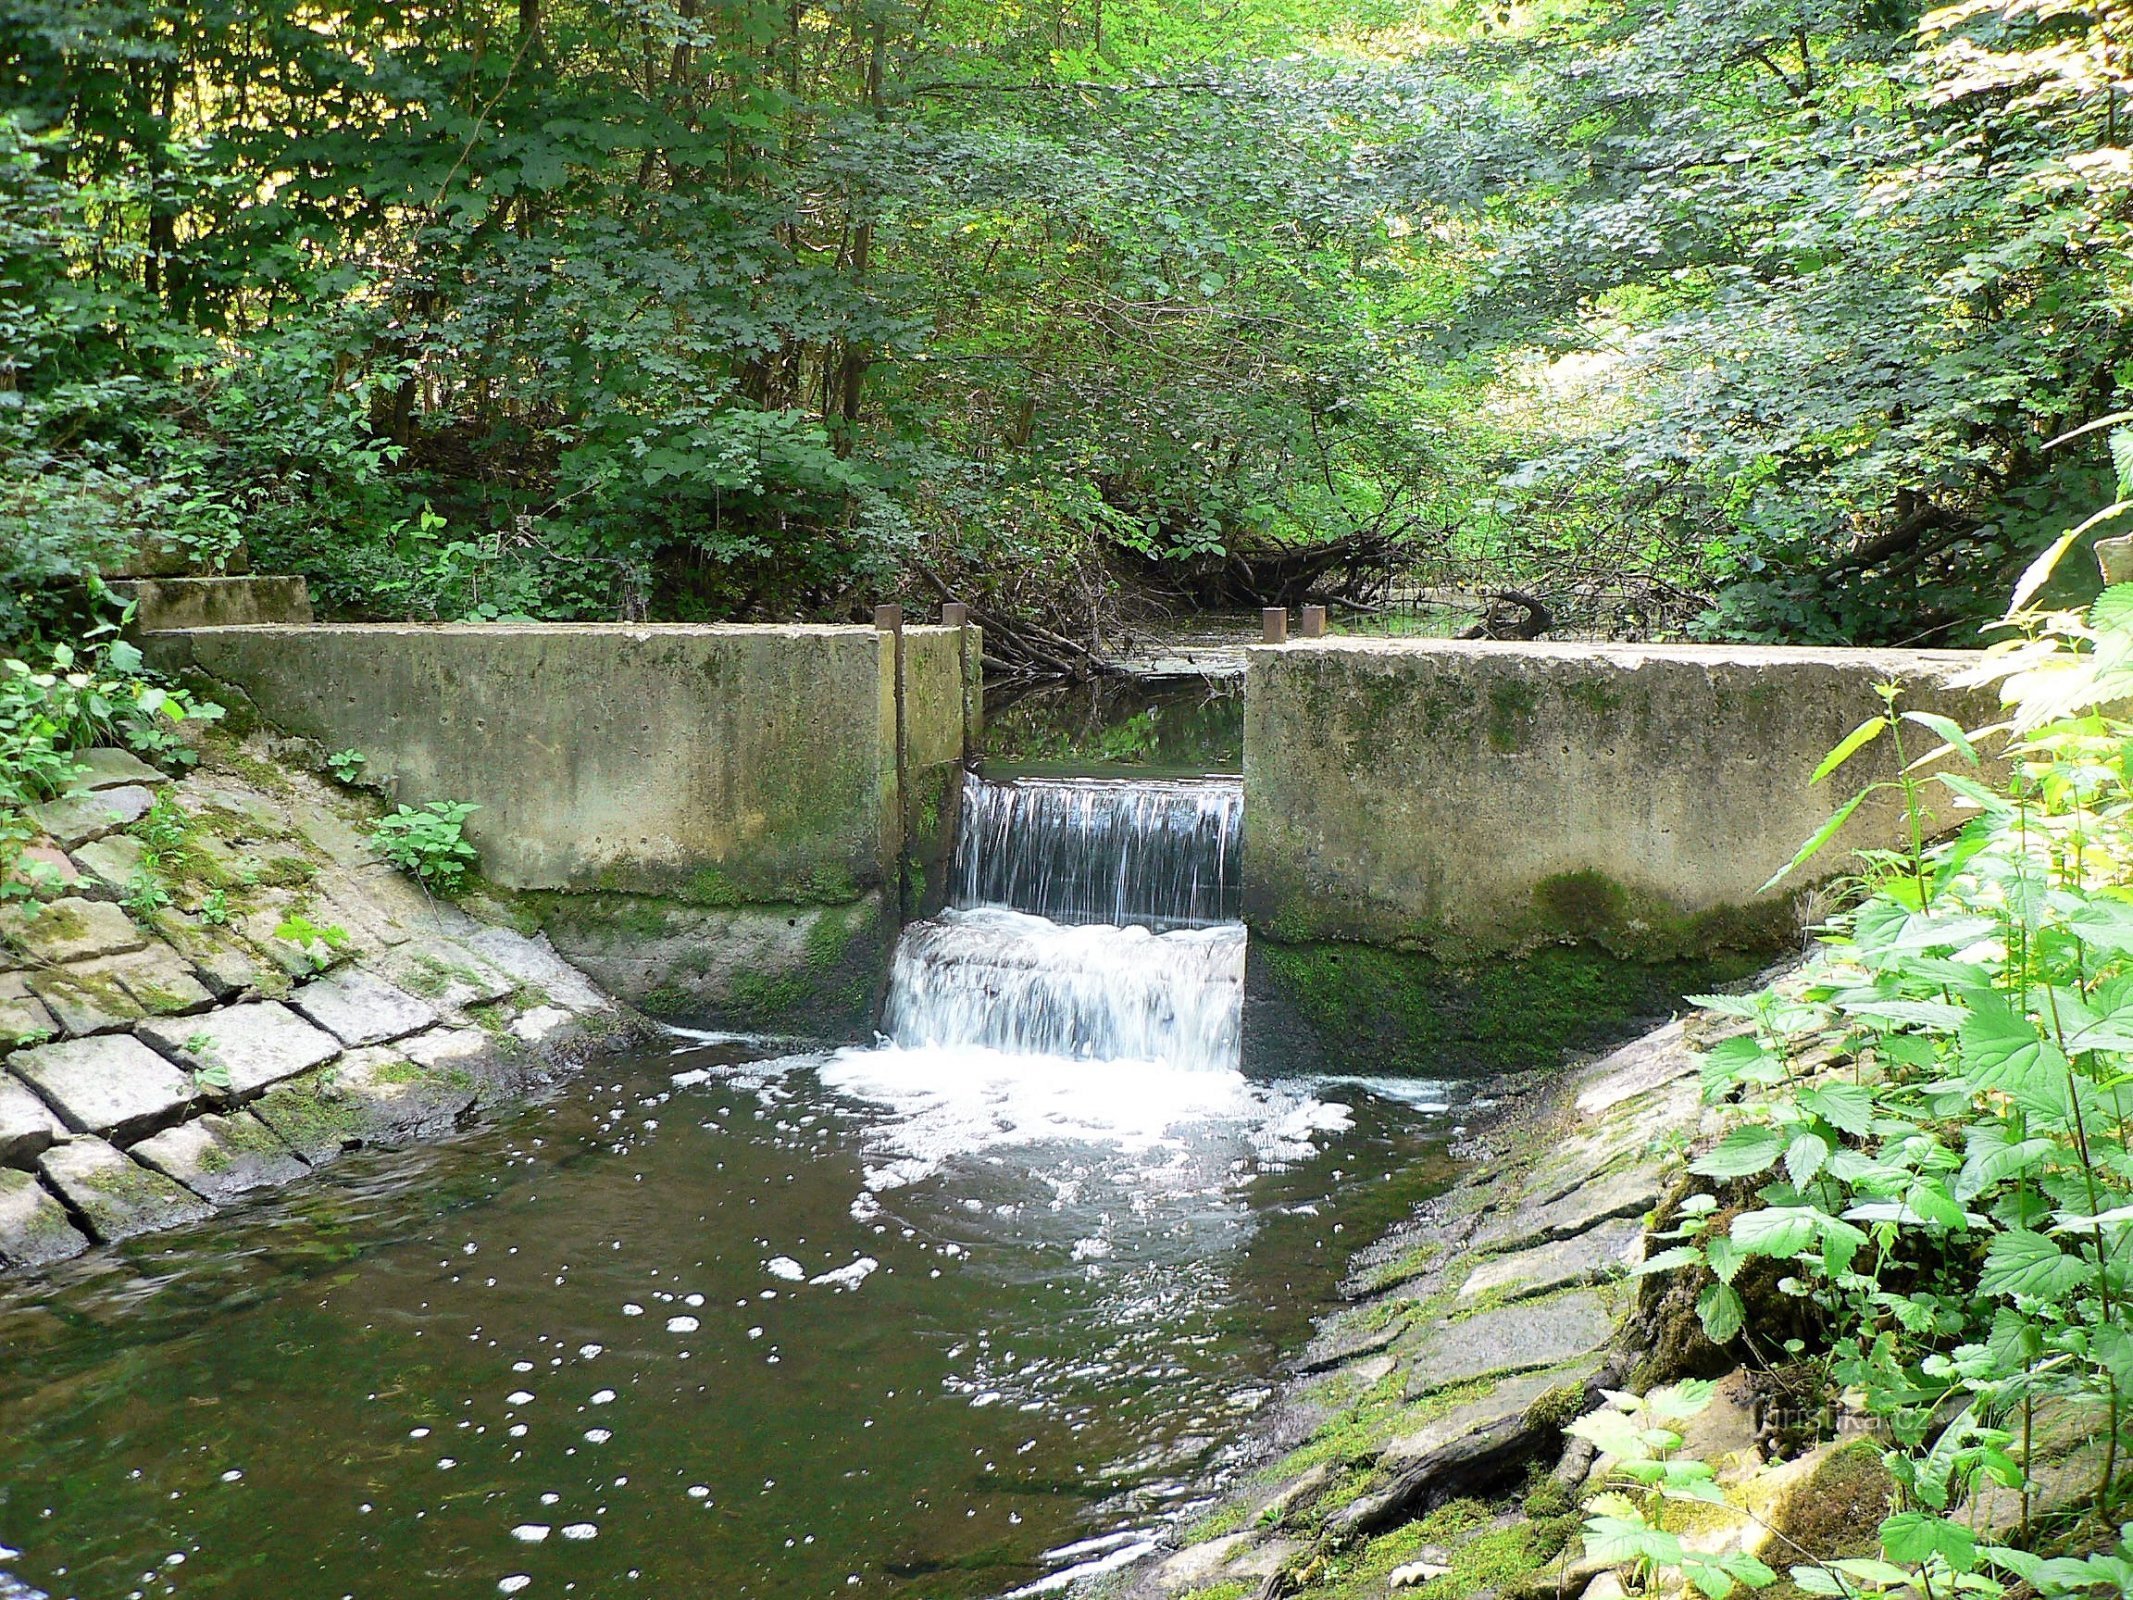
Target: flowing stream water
[970, 1312]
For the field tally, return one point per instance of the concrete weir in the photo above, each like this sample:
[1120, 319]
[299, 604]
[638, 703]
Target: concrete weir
[723, 823]
[1487, 850]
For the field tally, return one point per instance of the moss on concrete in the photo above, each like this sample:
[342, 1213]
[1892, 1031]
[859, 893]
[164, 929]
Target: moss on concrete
[1358, 1008]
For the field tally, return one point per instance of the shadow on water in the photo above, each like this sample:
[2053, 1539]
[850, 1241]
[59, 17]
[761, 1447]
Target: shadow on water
[869, 1323]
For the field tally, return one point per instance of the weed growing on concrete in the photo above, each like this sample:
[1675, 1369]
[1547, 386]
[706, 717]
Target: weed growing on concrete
[429, 843]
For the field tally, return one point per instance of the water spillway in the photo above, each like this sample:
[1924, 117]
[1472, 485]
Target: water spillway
[1156, 853]
[1094, 919]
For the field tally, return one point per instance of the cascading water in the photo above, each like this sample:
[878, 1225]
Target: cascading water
[1159, 854]
[1094, 919]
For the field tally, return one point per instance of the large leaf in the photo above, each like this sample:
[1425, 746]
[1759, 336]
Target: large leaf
[1742, 1153]
[2031, 1265]
[1850, 745]
[1820, 837]
[1780, 1231]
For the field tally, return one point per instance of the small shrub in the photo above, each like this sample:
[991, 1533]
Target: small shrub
[428, 843]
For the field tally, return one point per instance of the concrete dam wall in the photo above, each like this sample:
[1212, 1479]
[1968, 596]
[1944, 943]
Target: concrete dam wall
[723, 823]
[1473, 845]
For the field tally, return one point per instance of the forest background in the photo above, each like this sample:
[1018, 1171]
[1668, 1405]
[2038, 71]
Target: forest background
[1719, 318]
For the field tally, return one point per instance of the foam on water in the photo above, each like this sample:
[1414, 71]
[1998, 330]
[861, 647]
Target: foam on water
[1183, 1125]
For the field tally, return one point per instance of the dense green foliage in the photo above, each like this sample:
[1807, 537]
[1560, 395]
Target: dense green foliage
[1935, 1142]
[1752, 318]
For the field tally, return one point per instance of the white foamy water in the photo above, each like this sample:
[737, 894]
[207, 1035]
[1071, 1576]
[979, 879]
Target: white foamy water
[1012, 982]
[1191, 1123]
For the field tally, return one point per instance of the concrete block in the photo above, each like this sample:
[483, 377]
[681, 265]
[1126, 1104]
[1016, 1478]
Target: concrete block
[118, 1196]
[258, 1045]
[79, 818]
[111, 768]
[165, 603]
[27, 1125]
[114, 1086]
[1473, 796]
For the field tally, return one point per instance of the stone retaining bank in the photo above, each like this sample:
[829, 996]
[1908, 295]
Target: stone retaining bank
[170, 1058]
[1419, 1444]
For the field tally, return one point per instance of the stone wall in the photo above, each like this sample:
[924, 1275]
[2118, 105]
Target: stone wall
[1582, 829]
[717, 820]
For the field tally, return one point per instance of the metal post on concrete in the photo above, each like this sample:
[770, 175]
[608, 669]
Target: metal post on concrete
[955, 614]
[890, 619]
[1314, 622]
[1276, 621]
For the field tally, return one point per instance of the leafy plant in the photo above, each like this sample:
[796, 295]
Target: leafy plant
[215, 907]
[321, 946]
[1950, 1205]
[430, 842]
[347, 765]
[1626, 1520]
[212, 1072]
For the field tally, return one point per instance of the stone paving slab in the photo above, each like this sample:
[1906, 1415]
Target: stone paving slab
[112, 768]
[221, 1158]
[445, 973]
[51, 865]
[35, 1230]
[1510, 1398]
[370, 1097]
[161, 980]
[75, 929]
[1628, 1193]
[23, 1018]
[1636, 1068]
[114, 1085]
[359, 1007]
[118, 1195]
[258, 1044]
[79, 818]
[108, 865]
[1601, 1252]
[86, 998]
[533, 962]
[27, 1125]
[1516, 1338]
[223, 963]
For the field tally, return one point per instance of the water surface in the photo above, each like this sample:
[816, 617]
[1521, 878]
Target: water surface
[908, 1323]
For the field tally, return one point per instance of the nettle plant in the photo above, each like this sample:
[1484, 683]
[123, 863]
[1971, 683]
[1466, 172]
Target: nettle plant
[430, 843]
[1949, 1207]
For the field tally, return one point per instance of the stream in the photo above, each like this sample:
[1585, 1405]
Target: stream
[978, 1310]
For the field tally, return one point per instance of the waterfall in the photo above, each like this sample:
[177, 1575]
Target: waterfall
[1093, 920]
[1160, 854]
[1009, 981]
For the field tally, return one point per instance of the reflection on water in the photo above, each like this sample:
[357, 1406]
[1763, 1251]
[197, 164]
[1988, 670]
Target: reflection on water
[891, 1323]
[1177, 727]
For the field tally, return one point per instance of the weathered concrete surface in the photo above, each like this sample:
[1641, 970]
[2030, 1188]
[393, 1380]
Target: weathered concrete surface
[116, 1194]
[1471, 796]
[720, 765]
[114, 1086]
[221, 1158]
[166, 603]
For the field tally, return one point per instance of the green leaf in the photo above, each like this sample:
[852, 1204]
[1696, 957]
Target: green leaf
[1850, 745]
[2024, 1263]
[1804, 1158]
[1742, 1153]
[1781, 1231]
[1950, 732]
[1914, 1536]
[1845, 1106]
[1821, 837]
[2001, 1049]
[1721, 1311]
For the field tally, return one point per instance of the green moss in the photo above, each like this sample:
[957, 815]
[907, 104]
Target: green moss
[1360, 1008]
[711, 887]
[1512, 702]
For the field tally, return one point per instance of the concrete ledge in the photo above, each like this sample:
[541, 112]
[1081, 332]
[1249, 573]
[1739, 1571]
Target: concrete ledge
[164, 604]
[1469, 797]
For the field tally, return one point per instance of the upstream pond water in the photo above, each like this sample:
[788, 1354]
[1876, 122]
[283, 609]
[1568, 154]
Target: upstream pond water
[718, 1322]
